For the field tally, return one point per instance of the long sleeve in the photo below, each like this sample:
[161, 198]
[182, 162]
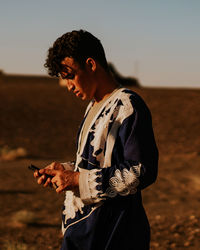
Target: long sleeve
[134, 160]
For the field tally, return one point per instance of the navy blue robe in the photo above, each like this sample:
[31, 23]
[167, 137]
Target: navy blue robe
[118, 158]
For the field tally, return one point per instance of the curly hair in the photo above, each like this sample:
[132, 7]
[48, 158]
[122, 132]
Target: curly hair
[78, 45]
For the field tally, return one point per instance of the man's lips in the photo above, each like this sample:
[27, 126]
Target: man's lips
[77, 93]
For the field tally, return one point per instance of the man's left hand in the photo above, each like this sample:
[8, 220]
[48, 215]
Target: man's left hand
[64, 179]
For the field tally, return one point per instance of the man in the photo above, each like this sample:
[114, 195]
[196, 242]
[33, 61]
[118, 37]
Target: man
[116, 153]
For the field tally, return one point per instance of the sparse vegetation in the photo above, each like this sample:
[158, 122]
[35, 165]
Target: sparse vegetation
[24, 217]
[10, 154]
[9, 245]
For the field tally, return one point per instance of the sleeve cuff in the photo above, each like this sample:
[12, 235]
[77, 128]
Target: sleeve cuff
[88, 185]
[69, 165]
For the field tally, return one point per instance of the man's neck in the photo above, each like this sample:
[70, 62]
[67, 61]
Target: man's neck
[105, 87]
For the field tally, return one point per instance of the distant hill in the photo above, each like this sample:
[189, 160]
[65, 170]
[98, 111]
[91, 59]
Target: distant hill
[28, 79]
[125, 81]
[19, 78]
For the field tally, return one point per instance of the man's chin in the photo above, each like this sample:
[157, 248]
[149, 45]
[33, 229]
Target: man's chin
[79, 95]
[83, 98]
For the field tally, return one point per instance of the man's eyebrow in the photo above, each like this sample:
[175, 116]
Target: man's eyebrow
[65, 75]
[65, 67]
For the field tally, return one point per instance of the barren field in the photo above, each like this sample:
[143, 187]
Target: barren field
[43, 119]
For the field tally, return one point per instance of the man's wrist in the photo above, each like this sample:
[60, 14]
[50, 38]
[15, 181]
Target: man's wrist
[76, 178]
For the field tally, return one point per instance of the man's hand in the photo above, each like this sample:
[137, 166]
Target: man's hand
[42, 178]
[64, 179]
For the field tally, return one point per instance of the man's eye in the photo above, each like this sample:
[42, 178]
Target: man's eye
[69, 76]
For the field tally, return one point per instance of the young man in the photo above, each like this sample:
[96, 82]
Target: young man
[116, 154]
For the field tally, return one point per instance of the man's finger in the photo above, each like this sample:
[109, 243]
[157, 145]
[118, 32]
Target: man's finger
[51, 172]
[41, 179]
[60, 189]
[36, 174]
[47, 183]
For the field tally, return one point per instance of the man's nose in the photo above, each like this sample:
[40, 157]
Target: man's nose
[70, 85]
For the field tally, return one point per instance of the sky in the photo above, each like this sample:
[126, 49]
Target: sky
[157, 41]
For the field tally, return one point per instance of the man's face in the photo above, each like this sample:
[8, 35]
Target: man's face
[79, 80]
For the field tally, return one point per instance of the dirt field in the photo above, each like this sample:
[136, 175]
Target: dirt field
[43, 119]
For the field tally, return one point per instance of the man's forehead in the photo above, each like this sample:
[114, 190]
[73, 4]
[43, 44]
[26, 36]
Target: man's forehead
[68, 62]
[68, 66]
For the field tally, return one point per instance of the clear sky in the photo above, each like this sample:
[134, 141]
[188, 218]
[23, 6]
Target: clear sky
[157, 41]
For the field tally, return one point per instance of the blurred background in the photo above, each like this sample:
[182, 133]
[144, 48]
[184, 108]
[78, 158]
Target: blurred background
[156, 40]
[153, 48]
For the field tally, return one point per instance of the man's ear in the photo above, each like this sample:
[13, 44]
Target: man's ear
[91, 63]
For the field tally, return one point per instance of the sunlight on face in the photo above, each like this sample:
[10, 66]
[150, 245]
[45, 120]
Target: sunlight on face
[77, 79]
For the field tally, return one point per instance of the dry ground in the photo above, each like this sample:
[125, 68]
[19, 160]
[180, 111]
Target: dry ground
[44, 119]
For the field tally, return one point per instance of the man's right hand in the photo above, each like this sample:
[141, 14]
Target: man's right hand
[43, 179]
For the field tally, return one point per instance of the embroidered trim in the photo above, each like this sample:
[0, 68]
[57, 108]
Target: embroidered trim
[92, 183]
[124, 182]
[112, 115]
[86, 159]
[89, 185]
[85, 217]
[72, 205]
